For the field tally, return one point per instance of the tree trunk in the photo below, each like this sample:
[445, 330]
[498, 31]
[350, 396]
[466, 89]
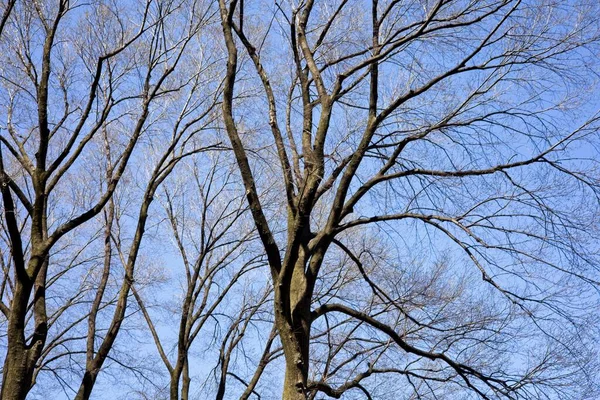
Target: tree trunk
[294, 336]
[18, 373]
[295, 382]
[19, 364]
[185, 385]
[174, 385]
[87, 384]
[17, 377]
[94, 366]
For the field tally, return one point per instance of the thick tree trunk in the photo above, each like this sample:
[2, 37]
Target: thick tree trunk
[18, 372]
[295, 383]
[296, 348]
[19, 364]
[174, 388]
[87, 384]
[294, 336]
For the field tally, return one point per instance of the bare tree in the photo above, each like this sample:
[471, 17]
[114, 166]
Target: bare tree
[213, 241]
[420, 176]
[99, 92]
[461, 124]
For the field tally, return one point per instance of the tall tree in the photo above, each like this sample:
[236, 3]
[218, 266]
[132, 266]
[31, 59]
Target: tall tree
[80, 84]
[467, 125]
[212, 238]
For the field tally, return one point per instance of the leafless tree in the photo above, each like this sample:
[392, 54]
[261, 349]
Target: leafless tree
[92, 75]
[213, 241]
[466, 125]
[420, 177]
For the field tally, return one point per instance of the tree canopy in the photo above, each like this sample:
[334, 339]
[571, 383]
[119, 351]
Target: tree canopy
[386, 199]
